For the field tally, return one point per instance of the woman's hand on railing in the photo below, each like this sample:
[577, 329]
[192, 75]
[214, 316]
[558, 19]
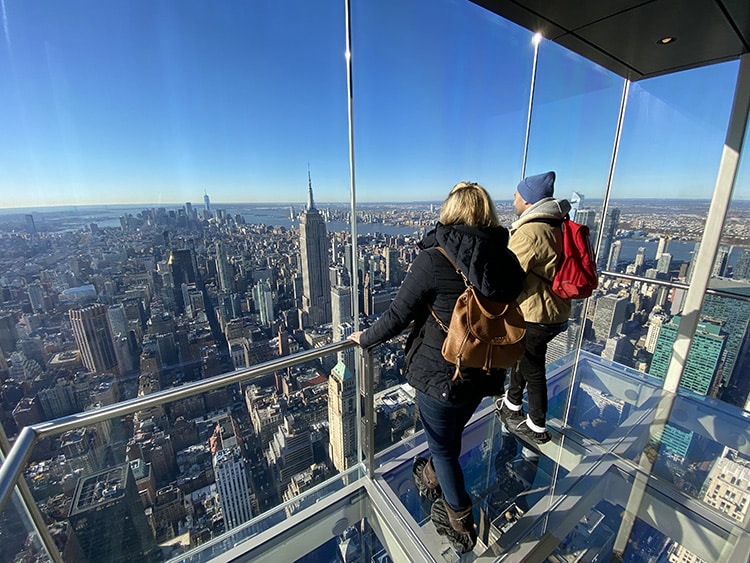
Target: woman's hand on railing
[354, 336]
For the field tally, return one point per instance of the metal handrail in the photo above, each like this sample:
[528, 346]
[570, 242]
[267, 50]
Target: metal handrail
[11, 469]
[675, 285]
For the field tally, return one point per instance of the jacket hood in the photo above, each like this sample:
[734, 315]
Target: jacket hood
[547, 208]
[482, 255]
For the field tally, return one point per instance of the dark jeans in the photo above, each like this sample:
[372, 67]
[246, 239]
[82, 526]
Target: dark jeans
[444, 423]
[531, 373]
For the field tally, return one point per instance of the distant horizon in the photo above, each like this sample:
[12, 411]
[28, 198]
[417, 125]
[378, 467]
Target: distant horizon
[300, 203]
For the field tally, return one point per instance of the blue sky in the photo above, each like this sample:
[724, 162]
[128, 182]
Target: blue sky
[155, 102]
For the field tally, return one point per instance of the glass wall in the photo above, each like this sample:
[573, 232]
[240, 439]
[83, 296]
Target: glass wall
[440, 96]
[175, 192]
[667, 163]
[573, 126]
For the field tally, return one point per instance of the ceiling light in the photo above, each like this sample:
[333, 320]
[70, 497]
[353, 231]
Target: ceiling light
[666, 40]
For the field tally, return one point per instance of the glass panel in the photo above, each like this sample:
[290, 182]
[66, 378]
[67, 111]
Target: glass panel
[19, 538]
[110, 288]
[590, 522]
[673, 132]
[434, 104]
[441, 92]
[573, 126]
[731, 273]
[182, 473]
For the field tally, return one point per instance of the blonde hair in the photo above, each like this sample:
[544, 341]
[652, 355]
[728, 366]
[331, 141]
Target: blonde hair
[469, 203]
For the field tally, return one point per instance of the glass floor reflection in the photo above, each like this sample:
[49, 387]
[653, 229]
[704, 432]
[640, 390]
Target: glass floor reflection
[635, 475]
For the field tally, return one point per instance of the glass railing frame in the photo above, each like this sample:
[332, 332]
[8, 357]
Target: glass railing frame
[12, 468]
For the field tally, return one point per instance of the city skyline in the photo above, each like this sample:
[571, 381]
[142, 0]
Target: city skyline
[93, 117]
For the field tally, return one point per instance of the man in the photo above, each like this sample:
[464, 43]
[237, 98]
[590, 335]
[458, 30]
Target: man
[536, 239]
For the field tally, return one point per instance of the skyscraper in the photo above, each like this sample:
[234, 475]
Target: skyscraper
[663, 264]
[316, 290]
[342, 417]
[341, 315]
[224, 271]
[93, 337]
[108, 518]
[662, 247]
[640, 260]
[206, 204]
[8, 334]
[609, 316]
[392, 269]
[703, 359]
[609, 229]
[231, 482]
[118, 322]
[263, 297]
[36, 297]
[614, 256]
[742, 268]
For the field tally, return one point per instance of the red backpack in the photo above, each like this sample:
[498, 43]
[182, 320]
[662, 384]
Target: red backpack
[576, 276]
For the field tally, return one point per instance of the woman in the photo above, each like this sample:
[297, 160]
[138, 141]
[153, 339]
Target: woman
[470, 233]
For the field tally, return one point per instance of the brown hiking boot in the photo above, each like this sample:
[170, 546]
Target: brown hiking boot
[461, 521]
[429, 476]
[447, 523]
[425, 479]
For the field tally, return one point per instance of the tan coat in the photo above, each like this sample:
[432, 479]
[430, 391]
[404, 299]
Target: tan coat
[538, 244]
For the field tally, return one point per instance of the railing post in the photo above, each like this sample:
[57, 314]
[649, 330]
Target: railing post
[369, 436]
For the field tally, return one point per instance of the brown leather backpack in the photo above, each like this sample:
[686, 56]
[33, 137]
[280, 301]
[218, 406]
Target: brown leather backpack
[482, 333]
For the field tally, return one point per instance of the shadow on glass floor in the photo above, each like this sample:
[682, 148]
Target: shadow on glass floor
[574, 498]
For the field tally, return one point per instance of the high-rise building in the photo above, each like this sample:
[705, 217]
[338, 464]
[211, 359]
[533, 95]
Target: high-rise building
[662, 247]
[587, 217]
[182, 264]
[224, 270]
[720, 264]
[663, 263]
[618, 348]
[342, 417]
[232, 484]
[206, 204]
[341, 309]
[118, 322]
[735, 316]
[609, 229]
[93, 337]
[609, 316]
[341, 306]
[640, 260]
[108, 518]
[290, 451]
[263, 297]
[614, 256]
[8, 333]
[742, 267]
[392, 267]
[576, 203]
[316, 298]
[36, 297]
[726, 486]
[701, 368]
[654, 326]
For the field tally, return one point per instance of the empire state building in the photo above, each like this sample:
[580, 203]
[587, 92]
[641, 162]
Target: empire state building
[316, 287]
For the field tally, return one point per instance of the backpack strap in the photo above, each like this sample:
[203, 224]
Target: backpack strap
[561, 255]
[440, 323]
[458, 270]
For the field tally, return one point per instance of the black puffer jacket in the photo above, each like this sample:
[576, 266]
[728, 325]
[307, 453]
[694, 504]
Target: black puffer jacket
[482, 254]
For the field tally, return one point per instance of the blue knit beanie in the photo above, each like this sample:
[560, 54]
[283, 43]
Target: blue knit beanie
[535, 188]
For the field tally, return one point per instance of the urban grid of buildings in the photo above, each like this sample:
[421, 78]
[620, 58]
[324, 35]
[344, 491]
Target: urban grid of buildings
[92, 316]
